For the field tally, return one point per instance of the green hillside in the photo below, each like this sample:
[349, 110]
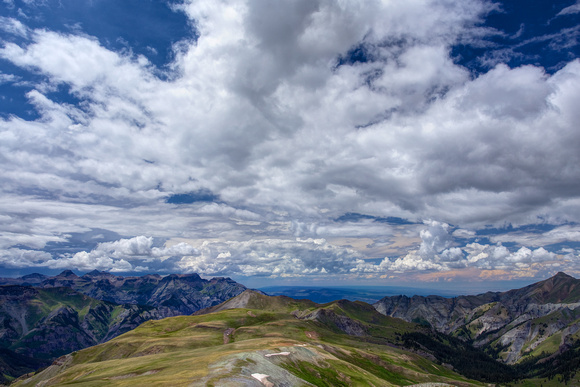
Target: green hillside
[295, 343]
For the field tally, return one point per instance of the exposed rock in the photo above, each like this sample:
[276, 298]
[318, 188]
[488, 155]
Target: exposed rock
[508, 321]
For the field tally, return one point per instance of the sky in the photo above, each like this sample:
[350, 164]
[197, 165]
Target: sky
[310, 142]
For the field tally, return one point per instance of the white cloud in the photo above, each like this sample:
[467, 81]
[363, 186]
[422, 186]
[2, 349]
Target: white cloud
[435, 252]
[258, 111]
[499, 257]
[270, 257]
[124, 255]
[16, 258]
[85, 262]
[570, 10]
[13, 26]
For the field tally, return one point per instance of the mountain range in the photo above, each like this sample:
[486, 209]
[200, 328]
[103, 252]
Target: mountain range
[528, 336]
[171, 295]
[531, 323]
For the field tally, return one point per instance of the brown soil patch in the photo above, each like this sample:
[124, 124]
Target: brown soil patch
[251, 314]
[312, 335]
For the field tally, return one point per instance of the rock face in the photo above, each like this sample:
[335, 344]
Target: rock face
[536, 320]
[172, 295]
[342, 323]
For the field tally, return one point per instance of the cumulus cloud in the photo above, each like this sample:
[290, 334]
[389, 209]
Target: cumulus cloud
[15, 258]
[271, 111]
[124, 255]
[271, 257]
[437, 253]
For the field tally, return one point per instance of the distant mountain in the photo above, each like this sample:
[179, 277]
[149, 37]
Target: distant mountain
[258, 340]
[171, 295]
[532, 324]
[39, 325]
[369, 294]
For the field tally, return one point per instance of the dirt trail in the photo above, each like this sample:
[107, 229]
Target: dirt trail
[228, 333]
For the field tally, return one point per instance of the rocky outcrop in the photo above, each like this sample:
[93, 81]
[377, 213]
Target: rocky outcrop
[340, 322]
[510, 324]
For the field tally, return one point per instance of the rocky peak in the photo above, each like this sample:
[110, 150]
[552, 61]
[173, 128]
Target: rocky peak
[557, 289]
[194, 277]
[563, 276]
[69, 274]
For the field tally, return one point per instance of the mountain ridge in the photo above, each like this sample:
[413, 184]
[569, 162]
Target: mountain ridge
[512, 325]
[172, 295]
[534, 329]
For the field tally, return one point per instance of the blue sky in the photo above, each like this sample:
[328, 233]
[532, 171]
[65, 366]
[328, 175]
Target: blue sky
[292, 142]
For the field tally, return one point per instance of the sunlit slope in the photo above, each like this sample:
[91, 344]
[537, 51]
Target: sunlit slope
[294, 342]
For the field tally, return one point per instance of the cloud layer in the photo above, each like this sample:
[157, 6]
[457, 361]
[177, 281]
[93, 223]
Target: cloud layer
[286, 116]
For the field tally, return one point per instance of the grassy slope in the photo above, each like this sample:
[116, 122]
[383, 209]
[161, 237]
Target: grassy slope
[180, 350]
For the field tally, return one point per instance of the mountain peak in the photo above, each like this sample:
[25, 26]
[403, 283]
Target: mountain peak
[67, 274]
[560, 288]
[563, 276]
